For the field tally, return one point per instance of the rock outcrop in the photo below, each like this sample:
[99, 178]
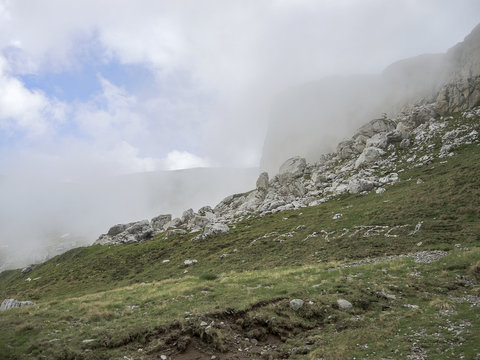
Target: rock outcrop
[12, 303]
[409, 138]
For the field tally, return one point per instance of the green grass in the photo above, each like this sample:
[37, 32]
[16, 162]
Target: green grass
[125, 298]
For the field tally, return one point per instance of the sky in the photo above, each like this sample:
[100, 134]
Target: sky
[99, 88]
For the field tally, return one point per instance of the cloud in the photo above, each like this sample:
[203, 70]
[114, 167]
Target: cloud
[177, 160]
[29, 112]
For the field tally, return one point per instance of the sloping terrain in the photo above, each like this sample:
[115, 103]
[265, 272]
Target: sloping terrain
[391, 274]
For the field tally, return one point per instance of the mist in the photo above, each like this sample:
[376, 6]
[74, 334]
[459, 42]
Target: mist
[103, 102]
[46, 218]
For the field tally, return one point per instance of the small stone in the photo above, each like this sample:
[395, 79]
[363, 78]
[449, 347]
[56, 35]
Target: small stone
[163, 357]
[203, 323]
[380, 190]
[86, 341]
[419, 181]
[165, 261]
[344, 304]
[190, 262]
[337, 216]
[296, 304]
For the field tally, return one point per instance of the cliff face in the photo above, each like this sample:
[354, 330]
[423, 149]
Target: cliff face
[311, 119]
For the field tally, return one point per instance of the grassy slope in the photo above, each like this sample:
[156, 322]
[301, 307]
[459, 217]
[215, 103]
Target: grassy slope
[84, 293]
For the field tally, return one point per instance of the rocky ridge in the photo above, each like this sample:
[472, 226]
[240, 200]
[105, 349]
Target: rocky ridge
[382, 146]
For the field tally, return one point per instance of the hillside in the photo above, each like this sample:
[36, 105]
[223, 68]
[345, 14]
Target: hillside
[405, 258]
[371, 251]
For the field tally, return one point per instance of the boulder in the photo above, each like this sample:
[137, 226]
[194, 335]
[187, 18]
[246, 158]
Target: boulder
[214, 229]
[28, 269]
[346, 150]
[205, 210]
[187, 216]
[12, 303]
[374, 127]
[296, 304]
[294, 166]
[140, 230]
[117, 229]
[172, 232]
[133, 232]
[344, 304]
[369, 156]
[176, 222]
[379, 140]
[159, 222]
[262, 182]
[356, 186]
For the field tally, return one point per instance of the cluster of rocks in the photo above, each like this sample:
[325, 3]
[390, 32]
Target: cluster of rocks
[383, 145]
[205, 222]
[12, 303]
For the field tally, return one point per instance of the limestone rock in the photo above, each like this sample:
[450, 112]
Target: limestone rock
[369, 156]
[262, 182]
[28, 269]
[214, 229]
[117, 229]
[356, 186]
[294, 166]
[344, 304]
[159, 222]
[132, 232]
[187, 216]
[176, 222]
[296, 304]
[203, 211]
[12, 303]
[375, 126]
[379, 140]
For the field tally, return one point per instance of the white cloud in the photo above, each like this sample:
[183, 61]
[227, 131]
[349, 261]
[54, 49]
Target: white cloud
[21, 109]
[177, 160]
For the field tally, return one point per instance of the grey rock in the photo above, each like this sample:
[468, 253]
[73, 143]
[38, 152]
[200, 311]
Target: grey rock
[356, 186]
[294, 166]
[214, 229]
[187, 216]
[173, 232]
[176, 222]
[344, 304]
[159, 222]
[346, 149]
[116, 229]
[375, 126]
[189, 262]
[378, 140]
[369, 156]
[28, 269]
[262, 182]
[296, 304]
[203, 211]
[133, 232]
[12, 303]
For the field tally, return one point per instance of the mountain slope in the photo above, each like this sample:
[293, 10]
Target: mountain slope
[111, 301]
